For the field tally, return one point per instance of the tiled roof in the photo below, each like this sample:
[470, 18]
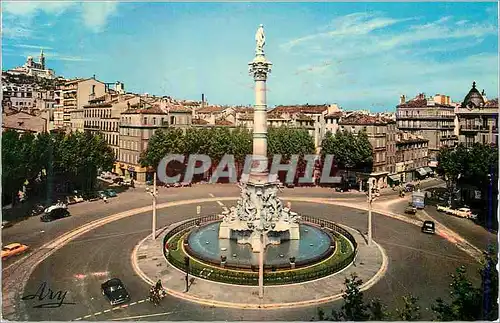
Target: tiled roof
[150, 110]
[173, 107]
[24, 121]
[361, 119]
[243, 110]
[336, 115]
[210, 109]
[310, 109]
[303, 117]
[246, 117]
[199, 121]
[422, 103]
[224, 123]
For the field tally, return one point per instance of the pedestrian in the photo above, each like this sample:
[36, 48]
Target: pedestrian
[105, 199]
[132, 183]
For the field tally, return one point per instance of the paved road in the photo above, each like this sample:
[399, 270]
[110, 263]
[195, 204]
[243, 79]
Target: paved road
[35, 233]
[419, 264]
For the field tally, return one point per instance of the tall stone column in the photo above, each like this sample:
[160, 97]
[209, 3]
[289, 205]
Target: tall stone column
[259, 68]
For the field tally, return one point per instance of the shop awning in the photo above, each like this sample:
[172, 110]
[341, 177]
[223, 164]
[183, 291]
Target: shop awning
[421, 171]
[395, 178]
[428, 170]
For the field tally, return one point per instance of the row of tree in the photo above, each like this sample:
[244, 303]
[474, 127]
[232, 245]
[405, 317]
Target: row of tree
[475, 167]
[349, 151]
[466, 302]
[49, 159]
[216, 142]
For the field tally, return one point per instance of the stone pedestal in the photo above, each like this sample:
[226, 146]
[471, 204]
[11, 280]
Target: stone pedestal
[259, 206]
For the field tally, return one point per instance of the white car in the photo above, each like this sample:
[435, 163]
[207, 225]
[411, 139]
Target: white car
[441, 208]
[465, 213]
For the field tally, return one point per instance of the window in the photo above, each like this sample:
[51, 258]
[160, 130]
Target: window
[172, 120]
[154, 120]
[93, 90]
[145, 120]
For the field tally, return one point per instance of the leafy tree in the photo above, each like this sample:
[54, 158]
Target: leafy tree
[354, 307]
[163, 142]
[410, 310]
[349, 151]
[467, 302]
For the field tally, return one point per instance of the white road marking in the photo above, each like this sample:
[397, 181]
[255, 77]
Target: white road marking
[87, 316]
[133, 303]
[105, 311]
[97, 313]
[124, 306]
[142, 301]
[141, 316]
[211, 195]
[220, 203]
[78, 319]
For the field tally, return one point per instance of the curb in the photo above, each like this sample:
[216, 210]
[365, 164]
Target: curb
[270, 306]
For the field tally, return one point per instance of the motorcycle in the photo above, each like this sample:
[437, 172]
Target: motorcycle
[155, 295]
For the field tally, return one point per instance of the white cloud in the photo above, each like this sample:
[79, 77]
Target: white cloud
[96, 14]
[30, 8]
[19, 15]
[347, 26]
[32, 46]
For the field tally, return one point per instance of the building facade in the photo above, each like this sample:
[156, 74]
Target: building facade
[381, 134]
[477, 119]
[73, 96]
[411, 158]
[32, 68]
[137, 125]
[102, 115]
[432, 118]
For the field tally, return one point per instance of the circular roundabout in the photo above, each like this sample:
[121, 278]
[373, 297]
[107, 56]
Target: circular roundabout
[105, 248]
[323, 249]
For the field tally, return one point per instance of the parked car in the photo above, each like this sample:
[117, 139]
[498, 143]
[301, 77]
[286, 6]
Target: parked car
[186, 184]
[115, 291]
[177, 185]
[410, 210]
[102, 194]
[290, 185]
[6, 224]
[428, 227]
[409, 187]
[118, 180]
[464, 213]
[442, 208]
[70, 200]
[341, 189]
[110, 193]
[91, 196]
[79, 198]
[52, 214]
[13, 249]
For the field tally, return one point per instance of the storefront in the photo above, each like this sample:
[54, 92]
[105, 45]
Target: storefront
[421, 173]
[394, 179]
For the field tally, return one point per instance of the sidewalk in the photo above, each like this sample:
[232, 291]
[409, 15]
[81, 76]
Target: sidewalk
[150, 264]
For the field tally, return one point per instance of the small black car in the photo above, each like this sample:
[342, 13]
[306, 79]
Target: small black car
[410, 210]
[55, 214]
[115, 291]
[428, 227]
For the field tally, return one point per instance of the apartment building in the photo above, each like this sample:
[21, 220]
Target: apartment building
[411, 158]
[432, 118]
[73, 95]
[102, 115]
[477, 119]
[137, 125]
[381, 134]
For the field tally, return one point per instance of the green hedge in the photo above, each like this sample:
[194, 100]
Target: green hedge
[335, 263]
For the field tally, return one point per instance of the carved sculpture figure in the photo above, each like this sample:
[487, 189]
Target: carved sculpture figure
[260, 38]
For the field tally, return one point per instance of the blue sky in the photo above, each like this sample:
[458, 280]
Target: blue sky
[359, 55]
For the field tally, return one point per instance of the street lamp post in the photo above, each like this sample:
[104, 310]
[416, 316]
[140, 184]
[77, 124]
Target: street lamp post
[153, 194]
[370, 200]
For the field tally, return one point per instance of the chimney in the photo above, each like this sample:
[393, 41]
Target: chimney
[202, 98]
[93, 76]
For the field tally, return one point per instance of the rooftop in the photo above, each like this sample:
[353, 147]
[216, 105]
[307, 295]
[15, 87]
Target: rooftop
[309, 109]
[363, 119]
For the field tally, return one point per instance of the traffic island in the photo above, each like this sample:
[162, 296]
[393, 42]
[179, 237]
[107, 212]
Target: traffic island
[210, 287]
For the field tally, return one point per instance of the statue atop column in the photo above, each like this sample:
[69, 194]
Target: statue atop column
[260, 38]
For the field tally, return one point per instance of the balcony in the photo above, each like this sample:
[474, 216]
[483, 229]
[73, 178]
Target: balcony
[476, 128]
[424, 117]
